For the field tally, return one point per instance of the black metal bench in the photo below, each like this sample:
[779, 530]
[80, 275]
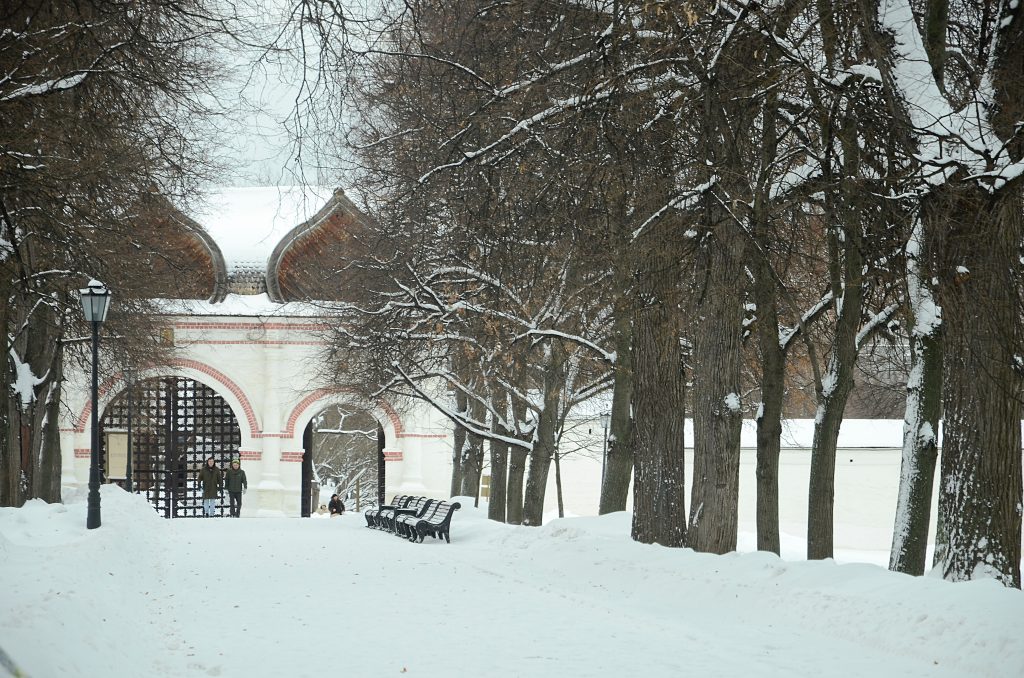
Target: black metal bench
[436, 522]
[417, 506]
[372, 515]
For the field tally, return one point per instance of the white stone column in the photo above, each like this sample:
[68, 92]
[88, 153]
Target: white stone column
[412, 462]
[270, 483]
[68, 479]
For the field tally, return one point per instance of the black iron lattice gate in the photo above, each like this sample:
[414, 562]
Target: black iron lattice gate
[176, 425]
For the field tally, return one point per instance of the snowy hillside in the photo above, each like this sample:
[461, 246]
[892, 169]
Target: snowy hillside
[328, 597]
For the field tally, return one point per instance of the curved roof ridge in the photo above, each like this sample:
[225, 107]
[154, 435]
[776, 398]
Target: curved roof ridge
[339, 203]
[220, 269]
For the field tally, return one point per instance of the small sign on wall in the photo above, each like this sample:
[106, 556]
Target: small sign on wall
[117, 454]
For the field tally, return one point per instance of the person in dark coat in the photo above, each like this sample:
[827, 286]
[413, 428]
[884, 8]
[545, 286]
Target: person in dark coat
[236, 484]
[212, 481]
[336, 506]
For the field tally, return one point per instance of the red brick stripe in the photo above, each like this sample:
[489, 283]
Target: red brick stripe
[309, 327]
[324, 393]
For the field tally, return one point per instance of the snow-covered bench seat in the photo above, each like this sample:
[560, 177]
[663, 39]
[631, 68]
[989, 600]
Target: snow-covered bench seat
[436, 522]
[416, 506]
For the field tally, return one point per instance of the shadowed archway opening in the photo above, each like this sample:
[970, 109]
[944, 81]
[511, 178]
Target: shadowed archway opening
[176, 423]
[343, 454]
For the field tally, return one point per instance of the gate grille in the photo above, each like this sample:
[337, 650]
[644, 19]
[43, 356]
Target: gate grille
[176, 424]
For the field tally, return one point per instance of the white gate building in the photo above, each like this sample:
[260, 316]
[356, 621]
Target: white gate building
[260, 352]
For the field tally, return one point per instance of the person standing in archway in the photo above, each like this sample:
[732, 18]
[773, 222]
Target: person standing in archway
[234, 480]
[212, 481]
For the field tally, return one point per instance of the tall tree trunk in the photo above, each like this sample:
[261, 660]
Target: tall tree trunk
[516, 472]
[980, 490]
[458, 446]
[921, 418]
[558, 484]
[766, 292]
[473, 457]
[546, 440]
[496, 502]
[8, 467]
[980, 496]
[659, 409]
[618, 464]
[837, 382]
[46, 482]
[769, 414]
[43, 354]
[717, 415]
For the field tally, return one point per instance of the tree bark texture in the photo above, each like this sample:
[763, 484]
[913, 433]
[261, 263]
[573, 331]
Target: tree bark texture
[517, 461]
[980, 489]
[496, 502]
[546, 440]
[837, 382]
[717, 415]
[769, 415]
[33, 435]
[458, 446]
[618, 470]
[8, 466]
[921, 417]
[659, 409]
[473, 456]
[558, 484]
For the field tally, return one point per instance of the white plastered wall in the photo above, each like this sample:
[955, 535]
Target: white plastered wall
[268, 371]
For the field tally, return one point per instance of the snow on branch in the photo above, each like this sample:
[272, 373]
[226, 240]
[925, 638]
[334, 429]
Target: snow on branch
[48, 87]
[681, 201]
[740, 17]
[948, 139]
[433, 57]
[559, 106]
[478, 275]
[786, 336]
[875, 322]
[458, 418]
[607, 356]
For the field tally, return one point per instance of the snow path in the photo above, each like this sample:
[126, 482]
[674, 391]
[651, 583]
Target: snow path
[318, 597]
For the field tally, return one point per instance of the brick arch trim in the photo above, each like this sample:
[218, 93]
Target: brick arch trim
[212, 372]
[324, 393]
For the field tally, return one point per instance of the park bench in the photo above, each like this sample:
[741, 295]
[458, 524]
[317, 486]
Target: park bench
[416, 507]
[372, 515]
[436, 522]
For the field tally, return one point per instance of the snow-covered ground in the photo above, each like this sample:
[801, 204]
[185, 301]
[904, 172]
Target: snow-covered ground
[328, 597]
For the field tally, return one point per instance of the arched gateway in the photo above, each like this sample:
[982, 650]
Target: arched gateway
[174, 424]
[245, 378]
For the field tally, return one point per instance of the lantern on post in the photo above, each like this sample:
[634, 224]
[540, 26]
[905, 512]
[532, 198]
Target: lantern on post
[95, 302]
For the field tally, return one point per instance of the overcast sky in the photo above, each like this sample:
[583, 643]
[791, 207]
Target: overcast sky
[259, 99]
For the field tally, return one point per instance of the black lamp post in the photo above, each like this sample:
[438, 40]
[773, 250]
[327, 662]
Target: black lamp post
[128, 457]
[605, 420]
[95, 301]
